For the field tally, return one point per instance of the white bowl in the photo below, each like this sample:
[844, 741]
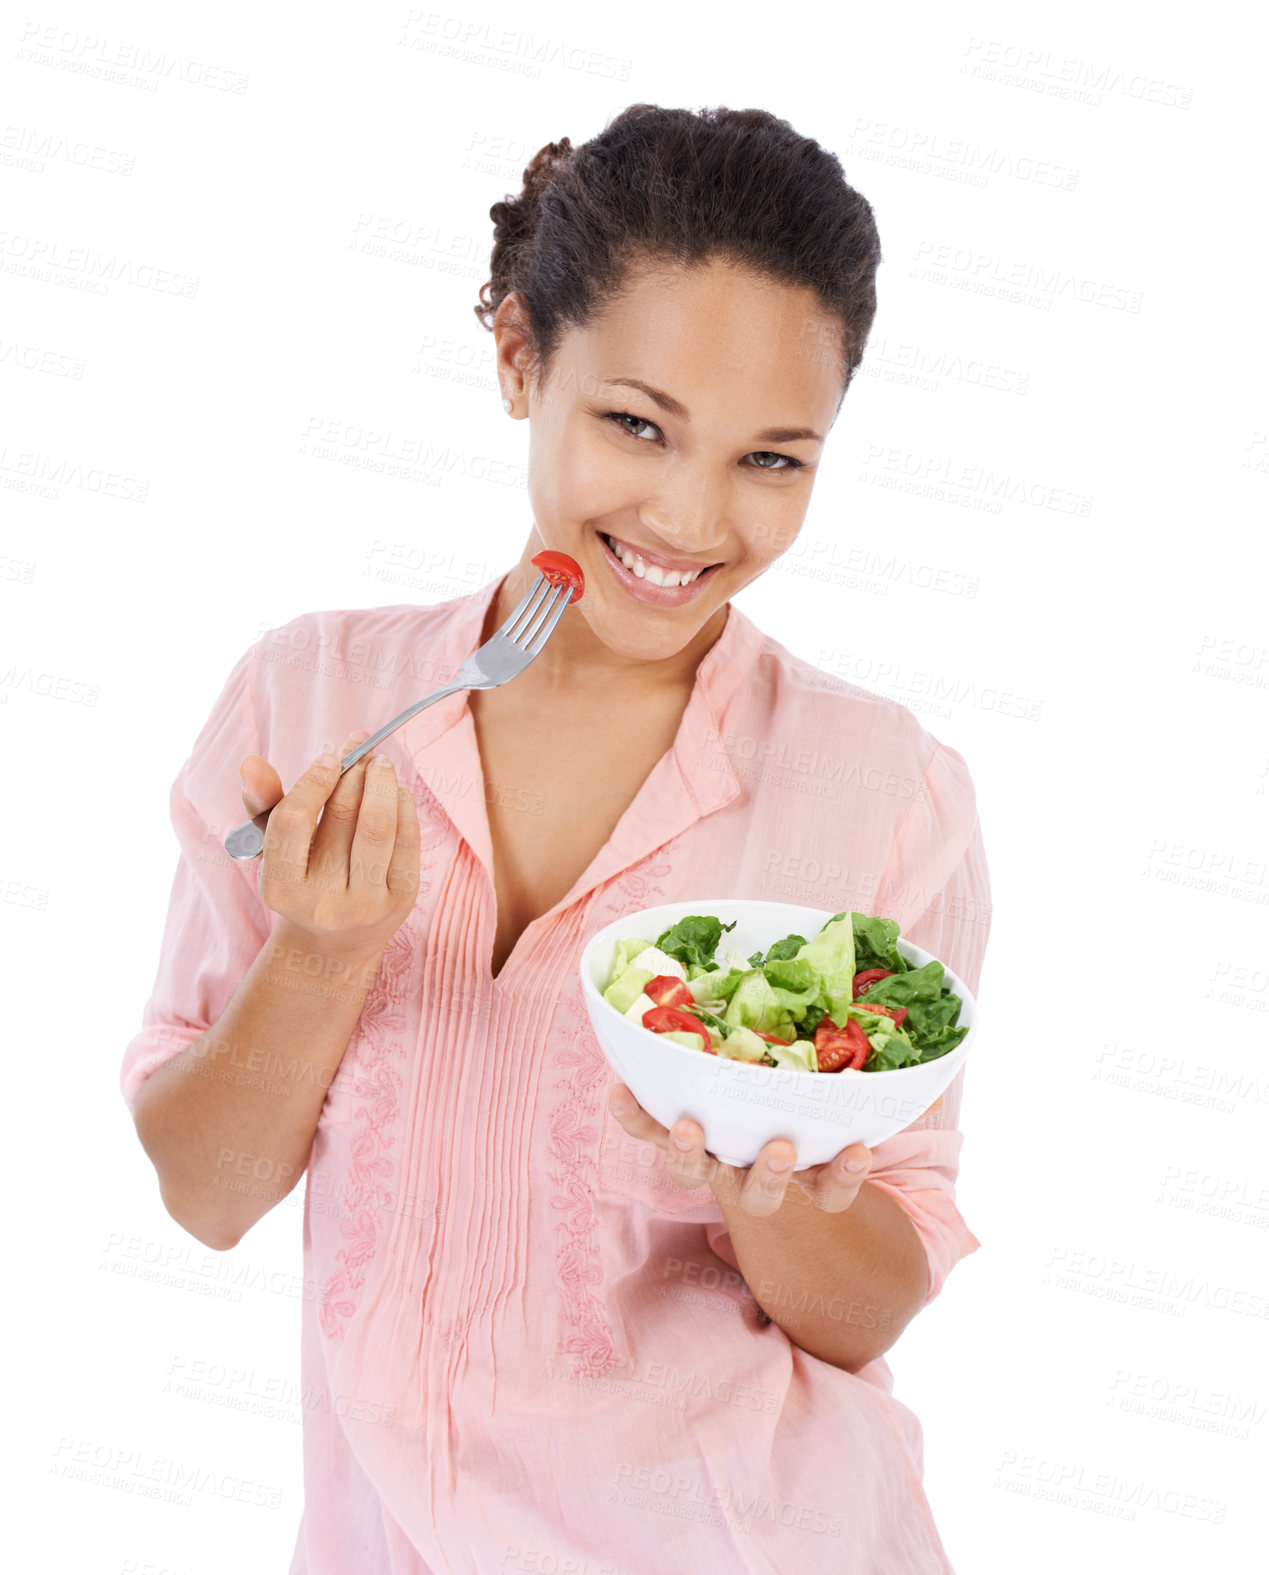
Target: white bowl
[740, 1105]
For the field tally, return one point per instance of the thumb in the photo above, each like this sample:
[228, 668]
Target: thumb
[261, 785]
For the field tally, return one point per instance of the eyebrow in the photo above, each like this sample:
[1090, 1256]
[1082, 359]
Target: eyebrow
[672, 407]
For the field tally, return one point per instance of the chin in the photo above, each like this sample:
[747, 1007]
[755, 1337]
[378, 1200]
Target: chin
[643, 638]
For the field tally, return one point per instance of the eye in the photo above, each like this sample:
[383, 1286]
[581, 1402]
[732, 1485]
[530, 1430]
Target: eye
[618, 416]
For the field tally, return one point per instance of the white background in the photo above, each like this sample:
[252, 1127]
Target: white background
[1106, 680]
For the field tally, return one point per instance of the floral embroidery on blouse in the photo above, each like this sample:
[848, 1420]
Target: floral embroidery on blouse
[376, 1084]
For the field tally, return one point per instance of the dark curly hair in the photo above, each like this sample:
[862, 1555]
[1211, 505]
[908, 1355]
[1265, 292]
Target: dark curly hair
[670, 185]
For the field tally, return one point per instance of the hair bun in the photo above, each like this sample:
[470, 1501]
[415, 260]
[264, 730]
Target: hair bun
[542, 165]
[515, 221]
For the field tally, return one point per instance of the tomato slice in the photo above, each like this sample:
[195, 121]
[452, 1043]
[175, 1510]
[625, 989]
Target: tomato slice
[772, 1039]
[837, 1048]
[560, 569]
[869, 976]
[897, 1012]
[663, 1019]
[667, 989]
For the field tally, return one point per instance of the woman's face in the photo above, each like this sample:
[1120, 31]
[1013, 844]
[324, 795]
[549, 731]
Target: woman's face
[722, 479]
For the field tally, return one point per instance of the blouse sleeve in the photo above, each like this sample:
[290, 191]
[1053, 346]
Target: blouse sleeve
[936, 886]
[216, 922]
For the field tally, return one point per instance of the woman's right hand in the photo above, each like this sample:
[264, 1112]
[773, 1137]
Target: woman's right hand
[344, 886]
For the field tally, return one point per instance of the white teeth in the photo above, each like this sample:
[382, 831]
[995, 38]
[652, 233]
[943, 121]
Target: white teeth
[650, 571]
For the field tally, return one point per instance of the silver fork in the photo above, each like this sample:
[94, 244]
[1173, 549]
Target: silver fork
[503, 656]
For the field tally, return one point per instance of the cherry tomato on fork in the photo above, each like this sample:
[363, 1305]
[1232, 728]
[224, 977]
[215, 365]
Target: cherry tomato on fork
[560, 569]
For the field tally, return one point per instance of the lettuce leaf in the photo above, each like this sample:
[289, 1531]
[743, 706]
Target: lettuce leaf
[756, 1004]
[832, 954]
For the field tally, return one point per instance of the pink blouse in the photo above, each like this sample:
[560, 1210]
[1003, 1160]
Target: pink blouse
[528, 1348]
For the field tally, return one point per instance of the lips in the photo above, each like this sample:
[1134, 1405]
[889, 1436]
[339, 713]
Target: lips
[652, 560]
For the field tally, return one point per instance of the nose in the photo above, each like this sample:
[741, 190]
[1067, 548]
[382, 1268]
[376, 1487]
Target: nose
[689, 521]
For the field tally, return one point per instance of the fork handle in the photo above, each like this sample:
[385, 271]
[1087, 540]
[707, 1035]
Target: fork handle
[247, 841]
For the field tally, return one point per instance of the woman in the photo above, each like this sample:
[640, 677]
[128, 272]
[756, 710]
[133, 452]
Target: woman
[536, 1336]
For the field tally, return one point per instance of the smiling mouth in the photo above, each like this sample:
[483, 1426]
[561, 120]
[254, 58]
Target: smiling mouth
[651, 572]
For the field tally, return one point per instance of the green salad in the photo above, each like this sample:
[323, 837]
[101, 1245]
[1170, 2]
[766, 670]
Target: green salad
[843, 1001]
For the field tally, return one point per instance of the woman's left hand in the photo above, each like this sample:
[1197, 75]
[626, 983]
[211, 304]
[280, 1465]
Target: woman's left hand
[759, 1188]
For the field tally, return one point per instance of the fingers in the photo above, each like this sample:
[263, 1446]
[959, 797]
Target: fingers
[341, 851]
[374, 828]
[836, 1184]
[403, 871]
[261, 785]
[766, 1182]
[633, 1117]
[289, 835]
[689, 1171]
[761, 1189]
[334, 839]
[690, 1166]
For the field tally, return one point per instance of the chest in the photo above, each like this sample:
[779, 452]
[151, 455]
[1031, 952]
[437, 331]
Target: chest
[556, 785]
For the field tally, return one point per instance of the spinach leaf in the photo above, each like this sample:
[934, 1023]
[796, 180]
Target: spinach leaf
[710, 1020]
[694, 939]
